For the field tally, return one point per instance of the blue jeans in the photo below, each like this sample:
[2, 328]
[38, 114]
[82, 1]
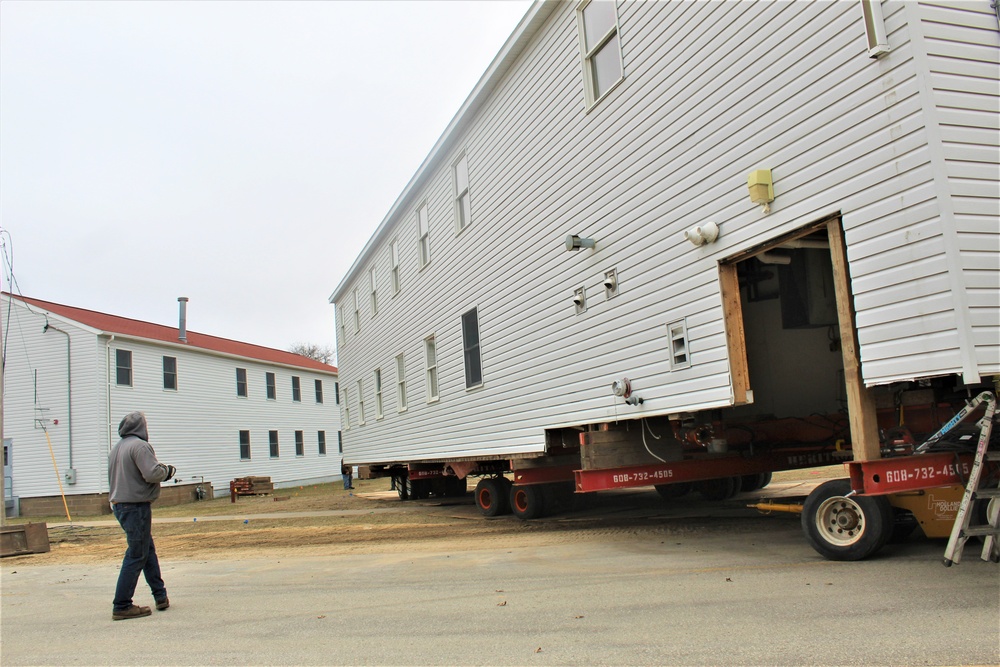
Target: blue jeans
[136, 520]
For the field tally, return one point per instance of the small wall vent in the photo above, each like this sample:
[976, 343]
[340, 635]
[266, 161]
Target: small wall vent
[677, 336]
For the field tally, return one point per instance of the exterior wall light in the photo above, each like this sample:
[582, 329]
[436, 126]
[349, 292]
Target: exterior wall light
[761, 188]
[574, 242]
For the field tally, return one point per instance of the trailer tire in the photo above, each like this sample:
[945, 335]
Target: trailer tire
[420, 489]
[846, 528]
[671, 491]
[403, 487]
[754, 482]
[528, 502]
[718, 489]
[492, 496]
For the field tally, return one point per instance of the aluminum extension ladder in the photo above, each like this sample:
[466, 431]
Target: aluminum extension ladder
[963, 528]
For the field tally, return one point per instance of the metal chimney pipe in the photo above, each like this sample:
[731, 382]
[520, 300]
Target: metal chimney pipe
[182, 327]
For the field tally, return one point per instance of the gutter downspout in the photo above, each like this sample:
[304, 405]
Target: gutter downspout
[70, 476]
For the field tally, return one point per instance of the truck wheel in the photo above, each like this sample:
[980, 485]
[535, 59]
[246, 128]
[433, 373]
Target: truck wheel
[420, 489]
[718, 489]
[403, 487]
[671, 491]
[492, 496]
[527, 502]
[845, 528]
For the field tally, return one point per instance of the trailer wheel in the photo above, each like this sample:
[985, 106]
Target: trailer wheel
[842, 527]
[420, 489]
[403, 487]
[671, 491]
[492, 496]
[754, 482]
[527, 502]
[718, 489]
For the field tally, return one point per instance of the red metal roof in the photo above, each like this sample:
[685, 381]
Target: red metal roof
[123, 326]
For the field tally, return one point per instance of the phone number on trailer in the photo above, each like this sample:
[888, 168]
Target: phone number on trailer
[630, 477]
[926, 473]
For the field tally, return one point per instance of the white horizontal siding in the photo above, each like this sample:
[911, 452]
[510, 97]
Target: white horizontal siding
[711, 92]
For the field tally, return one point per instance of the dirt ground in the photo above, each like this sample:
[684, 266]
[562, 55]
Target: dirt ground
[372, 520]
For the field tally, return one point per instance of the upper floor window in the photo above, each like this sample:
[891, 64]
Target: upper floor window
[336, 393]
[432, 372]
[340, 442]
[347, 410]
[123, 368]
[463, 206]
[602, 57]
[378, 393]
[296, 389]
[321, 442]
[373, 286]
[170, 373]
[470, 345]
[241, 382]
[272, 390]
[361, 403]
[244, 445]
[394, 255]
[357, 312]
[300, 443]
[319, 391]
[423, 236]
[272, 439]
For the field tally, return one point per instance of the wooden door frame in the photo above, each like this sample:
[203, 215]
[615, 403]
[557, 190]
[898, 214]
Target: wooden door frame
[860, 403]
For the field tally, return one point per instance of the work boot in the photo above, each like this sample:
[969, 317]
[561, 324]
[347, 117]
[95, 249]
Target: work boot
[162, 604]
[134, 611]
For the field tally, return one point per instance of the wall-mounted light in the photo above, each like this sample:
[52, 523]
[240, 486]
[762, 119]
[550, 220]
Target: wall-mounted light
[761, 188]
[702, 234]
[574, 242]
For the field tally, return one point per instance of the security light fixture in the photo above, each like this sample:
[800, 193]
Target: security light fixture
[761, 188]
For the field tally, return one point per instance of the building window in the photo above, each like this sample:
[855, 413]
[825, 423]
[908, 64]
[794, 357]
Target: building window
[602, 57]
[319, 391]
[432, 371]
[123, 368]
[423, 236]
[374, 291]
[296, 389]
[336, 393]
[357, 312]
[272, 438]
[347, 410]
[400, 384]
[241, 382]
[321, 442]
[470, 345]
[245, 445]
[378, 393]
[361, 403]
[170, 373]
[272, 390]
[300, 444]
[463, 206]
[394, 251]
[340, 442]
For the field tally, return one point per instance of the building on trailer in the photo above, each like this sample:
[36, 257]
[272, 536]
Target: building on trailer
[658, 228]
[217, 409]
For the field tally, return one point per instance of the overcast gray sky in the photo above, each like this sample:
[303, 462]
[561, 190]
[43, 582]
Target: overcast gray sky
[237, 153]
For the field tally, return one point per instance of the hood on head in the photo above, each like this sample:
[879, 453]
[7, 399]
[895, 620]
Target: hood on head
[134, 423]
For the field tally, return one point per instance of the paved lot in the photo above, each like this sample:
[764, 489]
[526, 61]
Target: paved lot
[717, 590]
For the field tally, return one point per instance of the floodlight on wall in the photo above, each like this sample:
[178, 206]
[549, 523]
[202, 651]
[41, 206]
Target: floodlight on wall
[702, 234]
[574, 242]
[761, 188]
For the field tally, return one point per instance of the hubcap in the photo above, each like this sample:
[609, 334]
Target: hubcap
[841, 520]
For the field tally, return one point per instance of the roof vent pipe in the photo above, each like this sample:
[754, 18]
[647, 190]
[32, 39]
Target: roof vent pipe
[182, 327]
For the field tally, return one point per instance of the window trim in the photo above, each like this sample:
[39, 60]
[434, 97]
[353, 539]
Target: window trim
[172, 374]
[431, 375]
[119, 368]
[249, 450]
[460, 223]
[592, 96]
[423, 235]
[466, 349]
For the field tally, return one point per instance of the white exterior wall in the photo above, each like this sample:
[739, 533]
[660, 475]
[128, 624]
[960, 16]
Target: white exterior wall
[195, 428]
[711, 92]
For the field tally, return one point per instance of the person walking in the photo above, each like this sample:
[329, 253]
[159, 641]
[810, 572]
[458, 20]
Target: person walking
[134, 477]
[347, 472]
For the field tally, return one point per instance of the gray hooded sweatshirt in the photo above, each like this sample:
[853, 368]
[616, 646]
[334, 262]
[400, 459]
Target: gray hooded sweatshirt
[134, 474]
